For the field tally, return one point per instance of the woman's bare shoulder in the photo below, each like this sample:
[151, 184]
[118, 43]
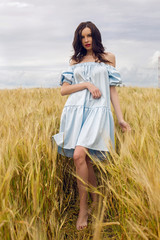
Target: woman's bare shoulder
[72, 62]
[111, 58]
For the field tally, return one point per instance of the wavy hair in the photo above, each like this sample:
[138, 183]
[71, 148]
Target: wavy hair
[97, 46]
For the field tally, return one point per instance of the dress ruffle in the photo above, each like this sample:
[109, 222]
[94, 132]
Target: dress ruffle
[67, 76]
[81, 125]
[114, 76]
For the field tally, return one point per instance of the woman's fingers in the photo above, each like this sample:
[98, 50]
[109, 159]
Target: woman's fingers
[94, 90]
[124, 126]
[96, 94]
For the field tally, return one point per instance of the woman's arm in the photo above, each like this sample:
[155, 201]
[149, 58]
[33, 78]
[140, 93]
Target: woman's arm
[67, 89]
[114, 98]
[116, 105]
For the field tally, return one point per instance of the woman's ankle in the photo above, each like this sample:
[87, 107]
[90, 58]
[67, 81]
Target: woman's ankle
[83, 208]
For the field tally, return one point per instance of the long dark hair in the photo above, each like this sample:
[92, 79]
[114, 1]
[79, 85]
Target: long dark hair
[97, 46]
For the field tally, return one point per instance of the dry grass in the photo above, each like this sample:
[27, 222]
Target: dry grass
[38, 191]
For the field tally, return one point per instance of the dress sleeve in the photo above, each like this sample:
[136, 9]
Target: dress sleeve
[114, 76]
[67, 76]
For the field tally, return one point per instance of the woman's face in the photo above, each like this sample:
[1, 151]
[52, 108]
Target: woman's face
[86, 37]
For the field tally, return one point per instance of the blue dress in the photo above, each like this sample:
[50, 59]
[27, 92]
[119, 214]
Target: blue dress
[86, 121]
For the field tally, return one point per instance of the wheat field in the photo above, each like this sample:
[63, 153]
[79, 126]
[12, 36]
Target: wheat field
[38, 190]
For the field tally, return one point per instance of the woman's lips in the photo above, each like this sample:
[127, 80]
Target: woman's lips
[87, 45]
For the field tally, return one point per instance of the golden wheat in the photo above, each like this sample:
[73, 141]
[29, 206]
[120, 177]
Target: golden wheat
[38, 192]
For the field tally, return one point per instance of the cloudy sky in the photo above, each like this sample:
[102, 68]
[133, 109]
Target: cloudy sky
[36, 38]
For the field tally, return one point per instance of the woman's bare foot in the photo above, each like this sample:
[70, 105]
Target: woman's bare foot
[82, 220]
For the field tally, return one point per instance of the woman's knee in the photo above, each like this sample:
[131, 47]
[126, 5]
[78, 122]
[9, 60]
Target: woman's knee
[79, 156]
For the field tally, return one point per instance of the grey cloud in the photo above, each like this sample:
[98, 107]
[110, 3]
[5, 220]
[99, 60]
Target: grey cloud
[40, 33]
[30, 78]
[139, 77]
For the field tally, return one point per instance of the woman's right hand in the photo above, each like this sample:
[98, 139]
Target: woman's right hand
[94, 90]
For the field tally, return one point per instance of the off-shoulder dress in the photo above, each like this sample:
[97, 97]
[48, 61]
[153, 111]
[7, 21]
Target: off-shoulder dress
[86, 121]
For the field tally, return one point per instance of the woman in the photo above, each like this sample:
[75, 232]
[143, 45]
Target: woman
[86, 121]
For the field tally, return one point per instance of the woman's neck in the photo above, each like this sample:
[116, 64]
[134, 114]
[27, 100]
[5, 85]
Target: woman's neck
[90, 53]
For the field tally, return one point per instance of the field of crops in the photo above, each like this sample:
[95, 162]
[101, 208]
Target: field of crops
[38, 189]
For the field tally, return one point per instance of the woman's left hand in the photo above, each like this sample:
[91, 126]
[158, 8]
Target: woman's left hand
[124, 126]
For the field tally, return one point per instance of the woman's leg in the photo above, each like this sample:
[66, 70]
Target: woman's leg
[92, 180]
[79, 157]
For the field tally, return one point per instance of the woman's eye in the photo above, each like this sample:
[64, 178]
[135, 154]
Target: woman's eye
[87, 36]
